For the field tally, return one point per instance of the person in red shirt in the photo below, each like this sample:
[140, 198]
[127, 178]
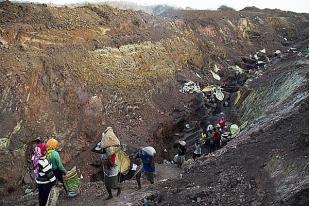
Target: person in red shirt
[222, 123]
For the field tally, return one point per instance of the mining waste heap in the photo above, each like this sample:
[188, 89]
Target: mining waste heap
[70, 72]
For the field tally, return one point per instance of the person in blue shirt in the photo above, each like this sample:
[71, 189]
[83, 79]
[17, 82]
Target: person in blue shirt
[146, 154]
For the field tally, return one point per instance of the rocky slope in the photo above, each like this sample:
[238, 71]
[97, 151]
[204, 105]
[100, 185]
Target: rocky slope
[267, 164]
[70, 72]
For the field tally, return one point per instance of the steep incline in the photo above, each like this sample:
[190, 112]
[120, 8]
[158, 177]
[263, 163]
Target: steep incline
[267, 164]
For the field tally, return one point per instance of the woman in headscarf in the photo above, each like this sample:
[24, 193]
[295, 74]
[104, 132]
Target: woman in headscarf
[44, 175]
[55, 159]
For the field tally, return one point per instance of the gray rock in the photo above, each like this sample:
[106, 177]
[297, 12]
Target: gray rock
[28, 190]
[198, 199]
[27, 178]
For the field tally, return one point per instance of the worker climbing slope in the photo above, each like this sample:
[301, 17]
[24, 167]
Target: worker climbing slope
[147, 155]
[109, 145]
[180, 158]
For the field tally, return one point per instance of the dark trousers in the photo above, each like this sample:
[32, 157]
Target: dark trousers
[130, 175]
[217, 145]
[196, 156]
[44, 190]
[208, 147]
[59, 175]
[112, 183]
[150, 176]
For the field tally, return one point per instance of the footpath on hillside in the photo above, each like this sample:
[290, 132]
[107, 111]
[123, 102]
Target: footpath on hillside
[94, 193]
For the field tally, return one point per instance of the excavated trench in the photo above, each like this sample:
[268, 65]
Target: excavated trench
[198, 117]
[246, 102]
[248, 99]
[272, 110]
[189, 125]
[202, 109]
[198, 114]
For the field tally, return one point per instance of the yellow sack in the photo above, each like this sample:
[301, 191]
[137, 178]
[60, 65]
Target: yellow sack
[122, 161]
[237, 97]
[209, 88]
[109, 138]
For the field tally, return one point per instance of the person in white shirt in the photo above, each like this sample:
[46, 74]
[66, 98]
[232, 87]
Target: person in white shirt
[111, 172]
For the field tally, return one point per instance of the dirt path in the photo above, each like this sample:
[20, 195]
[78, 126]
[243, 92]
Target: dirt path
[95, 193]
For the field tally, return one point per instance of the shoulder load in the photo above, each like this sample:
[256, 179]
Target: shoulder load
[109, 138]
[149, 150]
[122, 161]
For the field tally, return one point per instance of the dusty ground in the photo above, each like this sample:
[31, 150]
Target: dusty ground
[94, 193]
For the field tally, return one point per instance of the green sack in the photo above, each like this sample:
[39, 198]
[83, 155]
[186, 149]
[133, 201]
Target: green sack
[234, 129]
[72, 182]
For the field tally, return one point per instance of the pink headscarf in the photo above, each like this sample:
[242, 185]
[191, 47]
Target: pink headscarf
[39, 152]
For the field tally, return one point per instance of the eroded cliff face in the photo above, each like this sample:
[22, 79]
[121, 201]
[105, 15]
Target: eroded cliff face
[70, 72]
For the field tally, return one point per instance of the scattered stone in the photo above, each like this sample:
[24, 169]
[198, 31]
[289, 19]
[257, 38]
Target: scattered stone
[277, 52]
[215, 76]
[190, 87]
[166, 162]
[28, 190]
[263, 50]
[4, 142]
[27, 178]
[216, 69]
[3, 43]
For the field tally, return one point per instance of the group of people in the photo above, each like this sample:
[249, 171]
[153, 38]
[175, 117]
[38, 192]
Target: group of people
[47, 168]
[112, 173]
[118, 166]
[210, 139]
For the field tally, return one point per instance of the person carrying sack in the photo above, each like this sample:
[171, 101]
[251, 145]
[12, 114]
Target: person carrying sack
[111, 172]
[146, 154]
[43, 172]
[109, 145]
[179, 158]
